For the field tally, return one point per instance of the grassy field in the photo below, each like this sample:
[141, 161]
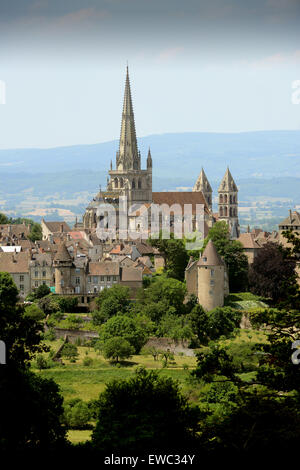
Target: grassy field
[87, 382]
[79, 381]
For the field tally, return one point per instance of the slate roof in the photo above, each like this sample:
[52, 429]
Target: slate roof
[14, 262]
[132, 274]
[180, 198]
[210, 256]
[104, 268]
[293, 219]
[56, 226]
[62, 253]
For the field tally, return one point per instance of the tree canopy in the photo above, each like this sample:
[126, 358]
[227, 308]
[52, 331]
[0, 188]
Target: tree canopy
[145, 412]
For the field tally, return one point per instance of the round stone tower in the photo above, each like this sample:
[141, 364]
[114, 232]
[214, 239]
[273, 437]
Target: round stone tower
[62, 270]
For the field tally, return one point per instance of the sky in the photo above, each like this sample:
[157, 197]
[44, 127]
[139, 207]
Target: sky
[195, 66]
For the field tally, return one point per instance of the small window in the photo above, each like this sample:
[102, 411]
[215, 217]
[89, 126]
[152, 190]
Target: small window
[36, 283]
[204, 259]
[212, 282]
[77, 270]
[77, 281]
[95, 279]
[62, 283]
[114, 278]
[44, 273]
[212, 272]
[90, 279]
[21, 278]
[102, 278]
[36, 274]
[108, 278]
[22, 287]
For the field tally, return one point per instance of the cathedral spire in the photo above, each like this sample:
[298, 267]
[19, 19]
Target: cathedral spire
[149, 159]
[128, 157]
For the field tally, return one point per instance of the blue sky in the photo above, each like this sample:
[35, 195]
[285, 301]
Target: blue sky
[217, 66]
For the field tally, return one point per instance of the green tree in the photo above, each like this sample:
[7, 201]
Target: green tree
[117, 348]
[272, 273]
[41, 291]
[167, 290]
[145, 412]
[21, 334]
[125, 327]
[70, 351]
[210, 326]
[49, 304]
[175, 327]
[33, 412]
[35, 232]
[77, 414]
[4, 219]
[174, 253]
[111, 302]
[34, 312]
[33, 405]
[67, 304]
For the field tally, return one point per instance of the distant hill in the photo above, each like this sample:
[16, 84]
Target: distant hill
[249, 154]
[58, 183]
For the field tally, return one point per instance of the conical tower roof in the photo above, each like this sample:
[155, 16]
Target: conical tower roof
[62, 253]
[227, 183]
[128, 149]
[202, 183]
[210, 256]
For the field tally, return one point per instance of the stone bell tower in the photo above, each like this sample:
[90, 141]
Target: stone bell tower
[228, 203]
[202, 184]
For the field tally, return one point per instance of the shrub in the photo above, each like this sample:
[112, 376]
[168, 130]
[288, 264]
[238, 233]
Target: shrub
[49, 335]
[41, 362]
[77, 414]
[87, 361]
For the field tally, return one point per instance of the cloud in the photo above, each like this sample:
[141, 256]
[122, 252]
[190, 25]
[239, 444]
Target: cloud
[276, 60]
[80, 16]
[169, 53]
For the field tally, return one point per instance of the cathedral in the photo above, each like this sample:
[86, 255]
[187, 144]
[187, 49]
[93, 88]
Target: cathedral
[127, 178]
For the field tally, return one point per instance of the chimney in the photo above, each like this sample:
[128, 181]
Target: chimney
[61, 228]
[9, 229]
[290, 212]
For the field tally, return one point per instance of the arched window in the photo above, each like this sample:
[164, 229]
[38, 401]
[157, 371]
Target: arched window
[225, 199]
[230, 212]
[121, 183]
[139, 184]
[133, 184]
[221, 211]
[116, 183]
[230, 199]
[221, 199]
[225, 211]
